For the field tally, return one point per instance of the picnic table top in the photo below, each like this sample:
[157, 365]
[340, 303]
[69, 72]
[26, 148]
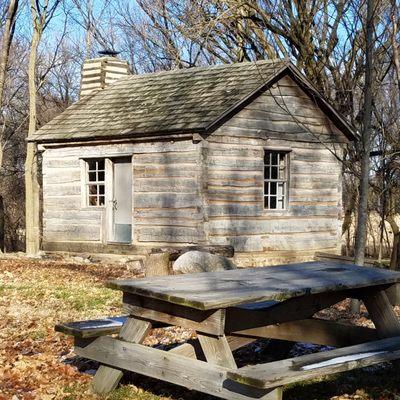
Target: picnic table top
[213, 290]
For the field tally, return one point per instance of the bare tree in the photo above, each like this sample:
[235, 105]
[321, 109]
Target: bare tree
[366, 136]
[8, 33]
[41, 15]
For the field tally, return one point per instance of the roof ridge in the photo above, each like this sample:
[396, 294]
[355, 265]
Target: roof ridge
[195, 69]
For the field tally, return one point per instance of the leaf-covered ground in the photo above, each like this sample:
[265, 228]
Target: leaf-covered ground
[38, 363]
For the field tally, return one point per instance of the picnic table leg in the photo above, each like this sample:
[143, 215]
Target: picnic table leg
[382, 314]
[217, 351]
[106, 379]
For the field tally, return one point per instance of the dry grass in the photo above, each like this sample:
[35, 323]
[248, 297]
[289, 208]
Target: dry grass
[35, 361]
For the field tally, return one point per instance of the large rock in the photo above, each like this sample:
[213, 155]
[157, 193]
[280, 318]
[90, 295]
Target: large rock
[199, 261]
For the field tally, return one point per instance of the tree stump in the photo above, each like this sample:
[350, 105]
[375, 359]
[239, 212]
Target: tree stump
[158, 264]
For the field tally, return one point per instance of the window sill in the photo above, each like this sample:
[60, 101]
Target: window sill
[94, 208]
[277, 213]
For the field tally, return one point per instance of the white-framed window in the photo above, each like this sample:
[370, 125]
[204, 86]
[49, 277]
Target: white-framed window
[95, 182]
[276, 178]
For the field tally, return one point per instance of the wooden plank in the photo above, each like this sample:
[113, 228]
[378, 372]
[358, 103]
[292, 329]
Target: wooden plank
[92, 215]
[277, 242]
[236, 342]
[293, 309]
[170, 171]
[340, 258]
[171, 157]
[184, 371]
[166, 200]
[64, 162]
[235, 209]
[211, 322]
[180, 185]
[309, 366]
[393, 294]
[214, 290]
[315, 331]
[92, 328]
[220, 151]
[74, 234]
[134, 330]
[235, 164]
[169, 234]
[116, 149]
[266, 226]
[169, 213]
[217, 350]
[68, 176]
[61, 190]
[184, 349]
[382, 314]
[106, 378]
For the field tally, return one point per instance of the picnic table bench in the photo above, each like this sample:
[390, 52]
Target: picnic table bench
[231, 309]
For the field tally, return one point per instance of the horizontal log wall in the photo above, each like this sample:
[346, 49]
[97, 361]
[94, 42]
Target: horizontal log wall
[64, 219]
[167, 199]
[283, 117]
[167, 205]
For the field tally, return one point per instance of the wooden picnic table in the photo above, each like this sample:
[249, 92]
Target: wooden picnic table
[231, 309]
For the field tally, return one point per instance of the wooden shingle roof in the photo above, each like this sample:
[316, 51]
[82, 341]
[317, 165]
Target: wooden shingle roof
[179, 101]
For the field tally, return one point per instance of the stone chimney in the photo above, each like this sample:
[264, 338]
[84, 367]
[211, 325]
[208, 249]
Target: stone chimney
[99, 72]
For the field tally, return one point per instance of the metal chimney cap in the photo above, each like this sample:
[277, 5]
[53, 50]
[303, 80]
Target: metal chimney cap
[108, 52]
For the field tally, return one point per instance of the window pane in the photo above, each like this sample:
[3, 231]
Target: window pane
[100, 176]
[92, 176]
[274, 158]
[101, 201]
[92, 189]
[272, 202]
[281, 203]
[92, 200]
[282, 159]
[100, 165]
[266, 188]
[92, 165]
[281, 188]
[267, 173]
[101, 189]
[274, 172]
[266, 201]
[272, 187]
[267, 157]
[282, 166]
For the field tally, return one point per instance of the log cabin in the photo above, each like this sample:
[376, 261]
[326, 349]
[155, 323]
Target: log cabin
[246, 154]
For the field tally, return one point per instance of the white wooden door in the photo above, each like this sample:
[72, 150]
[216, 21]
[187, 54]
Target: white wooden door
[121, 202]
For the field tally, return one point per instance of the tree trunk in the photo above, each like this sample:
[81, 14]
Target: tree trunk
[396, 57]
[2, 237]
[361, 231]
[395, 255]
[32, 189]
[8, 34]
